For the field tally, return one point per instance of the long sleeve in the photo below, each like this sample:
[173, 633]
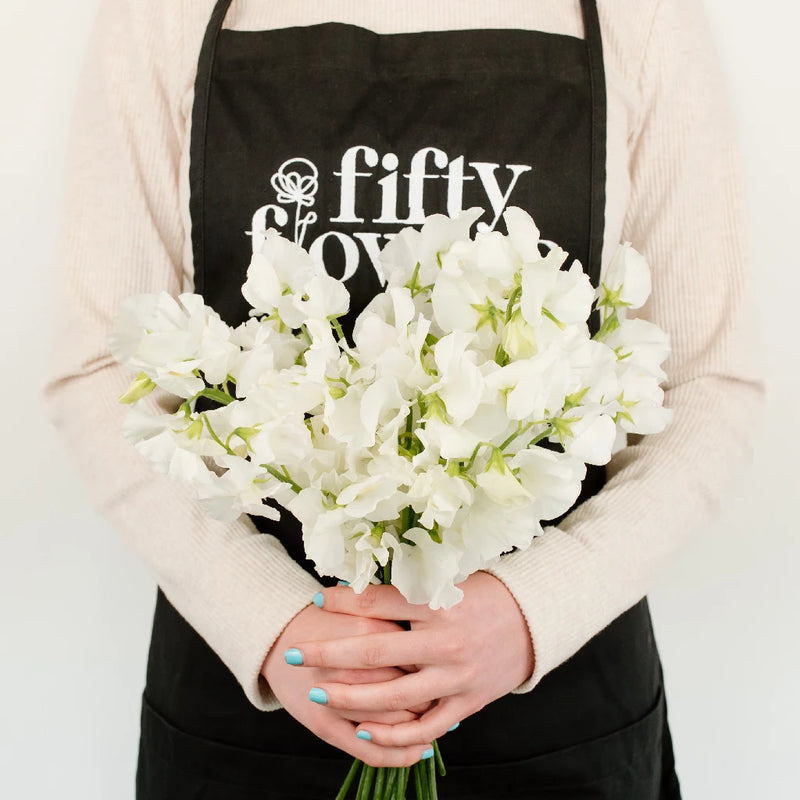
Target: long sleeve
[685, 215]
[126, 231]
[123, 235]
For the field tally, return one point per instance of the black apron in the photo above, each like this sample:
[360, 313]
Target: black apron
[338, 137]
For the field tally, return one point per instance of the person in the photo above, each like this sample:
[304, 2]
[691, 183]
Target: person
[197, 126]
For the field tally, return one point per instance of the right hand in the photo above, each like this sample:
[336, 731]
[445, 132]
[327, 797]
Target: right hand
[292, 685]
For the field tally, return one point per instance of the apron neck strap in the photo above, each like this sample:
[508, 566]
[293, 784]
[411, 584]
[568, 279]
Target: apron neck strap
[197, 167]
[594, 48]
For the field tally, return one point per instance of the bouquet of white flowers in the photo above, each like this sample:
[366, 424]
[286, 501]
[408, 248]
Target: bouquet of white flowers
[462, 414]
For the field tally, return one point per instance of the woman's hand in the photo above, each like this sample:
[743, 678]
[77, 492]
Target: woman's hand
[465, 657]
[337, 726]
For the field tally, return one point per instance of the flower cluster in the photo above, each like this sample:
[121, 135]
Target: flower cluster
[462, 414]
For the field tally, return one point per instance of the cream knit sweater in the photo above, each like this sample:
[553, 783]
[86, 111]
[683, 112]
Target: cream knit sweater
[672, 190]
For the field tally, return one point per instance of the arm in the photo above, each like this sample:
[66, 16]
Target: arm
[685, 215]
[123, 234]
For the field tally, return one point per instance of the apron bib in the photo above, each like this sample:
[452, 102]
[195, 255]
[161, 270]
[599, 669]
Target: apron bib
[339, 137]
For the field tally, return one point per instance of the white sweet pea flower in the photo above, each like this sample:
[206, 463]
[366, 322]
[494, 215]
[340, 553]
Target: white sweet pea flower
[343, 418]
[399, 260]
[424, 570]
[322, 298]
[587, 434]
[460, 384]
[165, 454]
[495, 257]
[489, 529]
[240, 490]
[500, 483]
[532, 386]
[441, 439]
[519, 337]
[550, 293]
[216, 351]
[552, 479]
[280, 265]
[412, 257]
[367, 548]
[324, 530]
[376, 498]
[592, 370]
[262, 289]
[626, 282]
[641, 345]
[162, 337]
[437, 496]
[323, 359]
[284, 441]
[456, 304]
[439, 233]
[640, 404]
[523, 234]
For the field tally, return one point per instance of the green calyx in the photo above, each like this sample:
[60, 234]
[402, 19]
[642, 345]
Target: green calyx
[141, 387]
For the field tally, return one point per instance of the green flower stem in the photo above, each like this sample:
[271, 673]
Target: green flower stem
[283, 477]
[474, 455]
[213, 434]
[516, 435]
[418, 783]
[348, 781]
[409, 519]
[215, 394]
[439, 760]
[553, 318]
[430, 769]
[337, 327]
[380, 782]
[367, 776]
[543, 435]
[515, 295]
[399, 792]
[391, 782]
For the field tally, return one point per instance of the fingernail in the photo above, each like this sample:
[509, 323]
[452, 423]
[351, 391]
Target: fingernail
[427, 754]
[344, 583]
[318, 599]
[365, 735]
[454, 727]
[318, 696]
[294, 657]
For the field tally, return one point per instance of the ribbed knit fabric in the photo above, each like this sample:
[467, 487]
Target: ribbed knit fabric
[672, 190]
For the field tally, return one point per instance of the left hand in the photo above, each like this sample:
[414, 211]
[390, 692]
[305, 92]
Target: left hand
[462, 658]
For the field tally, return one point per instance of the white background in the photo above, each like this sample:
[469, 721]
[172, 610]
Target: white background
[75, 605]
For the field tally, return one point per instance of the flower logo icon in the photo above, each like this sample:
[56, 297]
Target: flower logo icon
[296, 183]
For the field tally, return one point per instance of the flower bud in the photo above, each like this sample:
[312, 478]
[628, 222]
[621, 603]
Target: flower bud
[141, 387]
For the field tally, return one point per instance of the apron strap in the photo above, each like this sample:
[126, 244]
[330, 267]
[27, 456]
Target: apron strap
[594, 48]
[197, 165]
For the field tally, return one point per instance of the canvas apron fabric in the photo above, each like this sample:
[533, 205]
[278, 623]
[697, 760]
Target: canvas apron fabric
[338, 137]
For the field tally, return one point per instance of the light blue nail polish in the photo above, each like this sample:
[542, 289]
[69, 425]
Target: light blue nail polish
[344, 583]
[294, 657]
[318, 599]
[365, 735]
[318, 696]
[427, 754]
[449, 730]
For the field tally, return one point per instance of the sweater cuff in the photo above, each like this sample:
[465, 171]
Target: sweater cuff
[560, 589]
[260, 591]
